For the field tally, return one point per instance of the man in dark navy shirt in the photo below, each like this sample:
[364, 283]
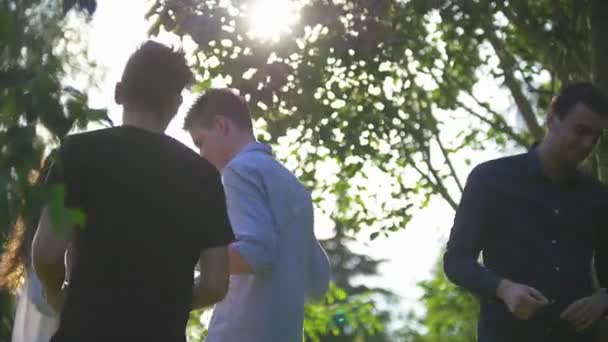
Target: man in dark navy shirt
[539, 223]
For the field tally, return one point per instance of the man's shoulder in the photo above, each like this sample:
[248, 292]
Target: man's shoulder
[192, 161]
[503, 166]
[598, 189]
[260, 166]
[254, 161]
[91, 135]
[97, 137]
[95, 132]
[83, 143]
[174, 150]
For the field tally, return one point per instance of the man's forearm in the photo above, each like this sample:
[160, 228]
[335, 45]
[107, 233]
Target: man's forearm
[238, 264]
[204, 296]
[469, 274]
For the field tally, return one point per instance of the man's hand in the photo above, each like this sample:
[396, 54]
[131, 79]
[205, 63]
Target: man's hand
[585, 312]
[211, 286]
[522, 300]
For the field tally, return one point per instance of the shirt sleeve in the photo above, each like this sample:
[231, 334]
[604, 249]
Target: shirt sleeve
[320, 272]
[470, 227]
[221, 233]
[251, 217]
[65, 170]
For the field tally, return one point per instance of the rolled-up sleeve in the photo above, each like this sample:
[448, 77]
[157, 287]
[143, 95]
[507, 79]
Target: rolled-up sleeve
[251, 218]
[471, 222]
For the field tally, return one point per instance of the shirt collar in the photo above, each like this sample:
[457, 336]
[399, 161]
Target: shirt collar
[533, 163]
[535, 168]
[256, 146]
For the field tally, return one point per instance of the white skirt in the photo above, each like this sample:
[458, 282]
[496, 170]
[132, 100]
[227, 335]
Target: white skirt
[34, 319]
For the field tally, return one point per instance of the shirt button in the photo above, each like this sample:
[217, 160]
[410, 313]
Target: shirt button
[556, 268]
[553, 242]
[556, 211]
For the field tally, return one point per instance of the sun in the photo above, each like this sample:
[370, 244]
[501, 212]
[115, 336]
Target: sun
[270, 19]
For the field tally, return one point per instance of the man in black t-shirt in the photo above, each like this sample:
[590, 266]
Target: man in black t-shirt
[153, 209]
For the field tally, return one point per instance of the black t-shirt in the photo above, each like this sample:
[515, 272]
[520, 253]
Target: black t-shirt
[152, 205]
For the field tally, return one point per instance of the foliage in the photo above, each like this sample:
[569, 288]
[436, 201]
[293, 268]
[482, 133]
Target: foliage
[36, 112]
[326, 317]
[377, 84]
[197, 326]
[356, 313]
[389, 92]
[450, 313]
[348, 266]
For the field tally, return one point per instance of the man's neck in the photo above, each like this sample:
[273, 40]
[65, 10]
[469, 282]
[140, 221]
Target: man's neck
[135, 119]
[550, 166]
[239, 144]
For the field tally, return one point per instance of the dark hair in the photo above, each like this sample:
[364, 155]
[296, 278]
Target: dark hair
[214, 102]
[17, 254]
[585, 93]
[154, 76]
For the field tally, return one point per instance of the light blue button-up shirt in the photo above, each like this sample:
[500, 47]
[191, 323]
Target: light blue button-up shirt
[272, 217]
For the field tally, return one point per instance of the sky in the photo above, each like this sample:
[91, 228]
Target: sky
[118, 27]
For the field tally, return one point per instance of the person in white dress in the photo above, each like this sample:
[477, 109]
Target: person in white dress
[34, 320]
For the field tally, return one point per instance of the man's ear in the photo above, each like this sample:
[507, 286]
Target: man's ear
[118, 93]
[222, 123]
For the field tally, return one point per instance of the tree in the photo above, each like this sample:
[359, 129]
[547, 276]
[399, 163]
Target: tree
[450, 315]
[346, 266]
[36, 112]
[368, 83]
[375, 86]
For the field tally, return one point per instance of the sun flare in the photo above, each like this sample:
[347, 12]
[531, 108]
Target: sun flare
[270, 19]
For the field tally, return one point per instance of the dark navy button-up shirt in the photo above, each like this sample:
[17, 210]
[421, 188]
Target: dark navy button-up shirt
[530, 230]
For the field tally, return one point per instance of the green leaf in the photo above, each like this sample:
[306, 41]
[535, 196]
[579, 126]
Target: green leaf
[64, 220]
[7, 32]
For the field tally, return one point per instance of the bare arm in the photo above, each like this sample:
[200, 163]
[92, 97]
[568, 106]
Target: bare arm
[212, 285]
[48, 252]
[238, 264]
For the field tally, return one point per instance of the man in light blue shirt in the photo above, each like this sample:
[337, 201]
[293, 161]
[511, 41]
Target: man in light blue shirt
[276, 262]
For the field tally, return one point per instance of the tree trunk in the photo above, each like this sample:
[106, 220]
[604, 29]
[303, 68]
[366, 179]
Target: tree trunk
[599, 27]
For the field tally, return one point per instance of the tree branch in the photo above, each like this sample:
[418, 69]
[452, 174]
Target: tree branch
[449, 163]
[435, 131]
[436, 186]
[600, 72]
[499, 122]
[508, 63]
[426, 153]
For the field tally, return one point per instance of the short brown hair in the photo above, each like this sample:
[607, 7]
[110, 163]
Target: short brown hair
[224, 101]
[154, 75]
[584, 92]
